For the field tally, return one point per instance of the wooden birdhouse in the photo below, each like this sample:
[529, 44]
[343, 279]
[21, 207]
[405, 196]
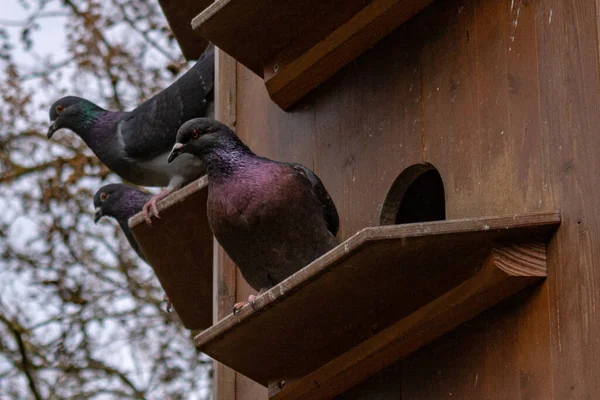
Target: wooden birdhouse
[454, 136]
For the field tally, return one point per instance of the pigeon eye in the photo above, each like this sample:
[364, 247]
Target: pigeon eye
[59, 108]
[103, 196]
[195, 134]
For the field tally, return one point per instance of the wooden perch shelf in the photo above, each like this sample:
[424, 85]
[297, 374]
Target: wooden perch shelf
[179, 14]
[179, 247]
[298, 44]
[375, 298]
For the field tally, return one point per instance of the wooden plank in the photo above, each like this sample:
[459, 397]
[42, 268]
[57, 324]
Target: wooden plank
[367, 130]
[179, 247]
[384, 271]
[224, 286]
[296, 45]
[482, 131]
[179, 15]
[568, 53]
[506, 271]
[253, 31]
[295, 72]
[224, 378]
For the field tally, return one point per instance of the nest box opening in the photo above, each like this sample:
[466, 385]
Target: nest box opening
[417, 195]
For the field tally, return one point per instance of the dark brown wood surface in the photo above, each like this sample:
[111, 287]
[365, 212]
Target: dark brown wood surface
[501, 97]
[568, 53]
[361, 287]
[255, 31]
[507, 270]
[297, 45]
[179, 247]
[179, 15]
[224, 285]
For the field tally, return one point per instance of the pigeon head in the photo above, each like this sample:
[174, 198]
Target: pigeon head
[118, 201]
[203, 137]
[73, 113]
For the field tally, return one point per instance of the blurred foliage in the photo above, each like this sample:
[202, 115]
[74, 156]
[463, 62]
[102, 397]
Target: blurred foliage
[80, 315]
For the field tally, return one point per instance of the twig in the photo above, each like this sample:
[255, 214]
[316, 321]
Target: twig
[17, 332]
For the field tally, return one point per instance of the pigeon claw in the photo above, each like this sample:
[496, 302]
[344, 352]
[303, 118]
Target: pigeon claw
[169, 304]
[151, 205]
[147, 213]
[238, 306]
[154, 207]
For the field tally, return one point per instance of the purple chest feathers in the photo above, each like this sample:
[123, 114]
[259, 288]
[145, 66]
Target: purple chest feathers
[246, 204]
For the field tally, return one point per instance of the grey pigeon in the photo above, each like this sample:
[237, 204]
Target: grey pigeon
[122, 202]
[272, 218]
[135, 144]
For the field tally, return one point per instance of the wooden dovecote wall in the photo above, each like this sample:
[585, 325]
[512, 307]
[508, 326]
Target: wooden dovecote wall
[501, 97]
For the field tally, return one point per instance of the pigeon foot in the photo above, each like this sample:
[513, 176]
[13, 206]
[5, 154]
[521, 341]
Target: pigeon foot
[251, 299]
[238, 306]
[151, 204]
[169, 304]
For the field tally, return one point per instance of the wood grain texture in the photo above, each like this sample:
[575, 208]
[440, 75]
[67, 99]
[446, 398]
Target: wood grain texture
[297, 45]
[501, 96]
[506, 271]
[482, 131]
[567, 52]
[179, 15]
[295, 71]
[224, 285]
[252, 31]
[256, 341]
[372, 120]
[179, 247]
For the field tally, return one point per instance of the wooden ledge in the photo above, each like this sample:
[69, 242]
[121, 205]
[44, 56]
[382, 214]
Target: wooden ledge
[378, 296]
[179, 247]
[298, 44]
[179, 15]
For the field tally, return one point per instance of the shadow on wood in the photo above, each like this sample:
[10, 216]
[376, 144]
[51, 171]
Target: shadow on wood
[179, 247]
[298, 44]
[417, 195]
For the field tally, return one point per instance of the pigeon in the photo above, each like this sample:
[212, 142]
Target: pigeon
[272, 218]
[122, 202]
[135, 144]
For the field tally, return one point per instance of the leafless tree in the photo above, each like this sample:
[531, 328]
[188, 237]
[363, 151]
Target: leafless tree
[80, 315]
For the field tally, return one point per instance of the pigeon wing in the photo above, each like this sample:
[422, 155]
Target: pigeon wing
[150, 129]
[329, 211]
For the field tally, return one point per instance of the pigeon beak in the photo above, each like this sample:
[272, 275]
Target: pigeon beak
[175, 152]
[97, 215]
[53, 128]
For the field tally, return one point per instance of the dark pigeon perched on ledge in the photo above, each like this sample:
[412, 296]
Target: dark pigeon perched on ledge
[135, 144]
[272, 218]
[122, 202]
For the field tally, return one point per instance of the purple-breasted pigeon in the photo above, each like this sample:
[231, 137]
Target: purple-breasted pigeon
[272, 218]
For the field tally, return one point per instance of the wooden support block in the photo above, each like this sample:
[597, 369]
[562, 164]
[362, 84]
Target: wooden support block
[382, 293]
[179, 247]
